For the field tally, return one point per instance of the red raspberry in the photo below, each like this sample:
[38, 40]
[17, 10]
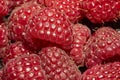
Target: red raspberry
[25, 67]
[50, 25]
[71, 8]
[19, 18]
[3, 35]
[19, 2]
[110, 71]
[100, 11]
[103, 45]
[15, 3]
[3, 8]
[58, 65]
[14, 50]
[80, 33]
[18, 22]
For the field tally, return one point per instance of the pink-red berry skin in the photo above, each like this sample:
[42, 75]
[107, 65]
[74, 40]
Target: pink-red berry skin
[3, 8]
[100, 11]
[15, 3]
[14, 50]
[58, 65]
[71, 8]
[12, 4]
[109, 71]
[102, 45]
[18, 25]
[50, 25]
[3, 35]
[19, 18]
[81, 33]
[25, 67]
[19, 2]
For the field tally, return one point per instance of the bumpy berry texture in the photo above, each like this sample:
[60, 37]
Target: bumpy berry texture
[19, 18]
[100, 11]
[58, 65]
[70, 7]
[50, 25]
[3, 35]
[101, 46]
[110, 71]
[14, 50]
[42, 2]
[3, 8]
[18, 22]
[25, 67]
[80, 35]
[19, 2]
[16, 3]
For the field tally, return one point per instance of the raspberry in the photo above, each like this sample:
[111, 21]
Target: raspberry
[19, 18]
[14, 50]
[3, 35]
[80, 33]
[25, 67]
[58, 65]
[3, 8]
[109, 71]
[103, 45]
[100, 11]
[19, 2]
[15, 3]
[18, 24]
[71, 8]
[50, 25]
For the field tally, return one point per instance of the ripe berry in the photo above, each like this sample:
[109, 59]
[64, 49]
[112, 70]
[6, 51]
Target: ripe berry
[71, 8]
[3, 35]
[25, 67]
[3, 8]
[14, 50]
[80, 35]
[12, 4]
[103, 45]
[50, 25]
[100, 11]
[19, 18]
[110, 71]
[58, 65]
[19, 2]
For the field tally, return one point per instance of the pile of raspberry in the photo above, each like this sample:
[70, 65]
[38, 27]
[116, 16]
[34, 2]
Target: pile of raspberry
[59, 39]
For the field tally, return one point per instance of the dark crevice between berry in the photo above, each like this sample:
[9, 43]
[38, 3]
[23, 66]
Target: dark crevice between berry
[1, 63]
[93, 27]
[83, 69]
[115, 24]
